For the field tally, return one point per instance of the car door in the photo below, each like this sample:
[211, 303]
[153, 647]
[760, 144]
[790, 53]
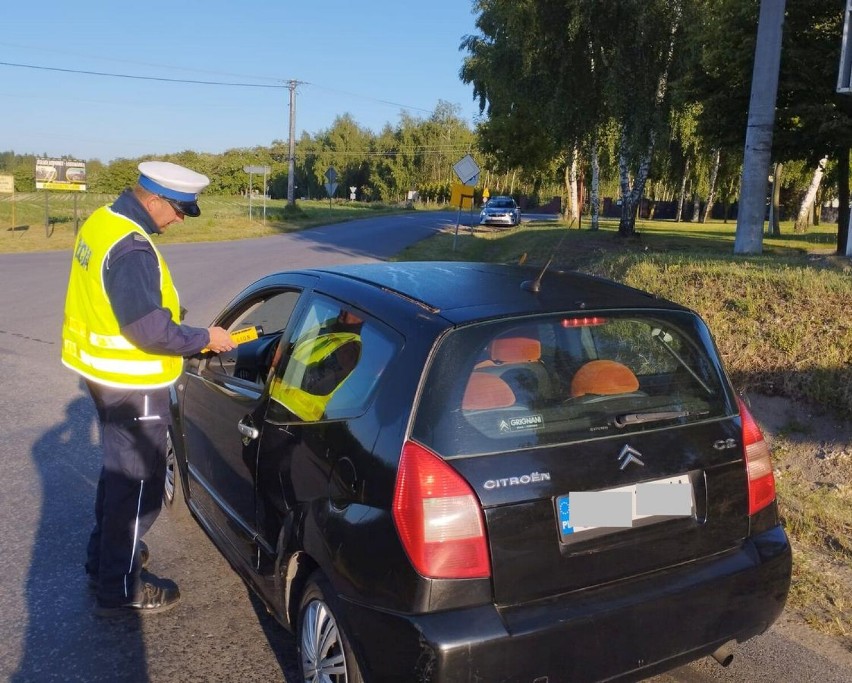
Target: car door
[223, 407]
[313, 439]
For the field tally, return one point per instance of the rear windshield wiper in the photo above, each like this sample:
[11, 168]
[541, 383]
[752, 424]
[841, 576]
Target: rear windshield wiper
[665, 339]
[639, 418]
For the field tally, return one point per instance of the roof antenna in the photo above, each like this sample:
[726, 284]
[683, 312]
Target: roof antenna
[534, 286]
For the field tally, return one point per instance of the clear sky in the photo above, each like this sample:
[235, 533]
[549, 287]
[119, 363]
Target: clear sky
[371, 59]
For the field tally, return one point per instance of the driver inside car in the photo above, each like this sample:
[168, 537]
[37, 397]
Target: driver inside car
[319, 364]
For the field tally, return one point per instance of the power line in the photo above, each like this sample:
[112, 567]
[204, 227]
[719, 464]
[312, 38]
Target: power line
[280, 86]
[366, 97]
[112, 58]
[142, 78]
[391, 152]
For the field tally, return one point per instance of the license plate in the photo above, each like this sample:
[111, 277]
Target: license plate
[624, 507]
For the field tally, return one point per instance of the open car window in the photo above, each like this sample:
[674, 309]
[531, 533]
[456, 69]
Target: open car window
[252, 360]
[552, 379]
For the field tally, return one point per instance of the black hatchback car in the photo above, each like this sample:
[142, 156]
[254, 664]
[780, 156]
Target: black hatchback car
[461, 471]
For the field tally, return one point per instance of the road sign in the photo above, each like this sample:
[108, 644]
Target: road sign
[461, 195]
[466, 169]
[331, 175]
[844, 75]
[331, 188]
[352, 189]
[7, 184]
[252, 170]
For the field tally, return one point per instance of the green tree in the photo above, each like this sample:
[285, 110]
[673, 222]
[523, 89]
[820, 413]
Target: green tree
[553, 75]
[811, 119]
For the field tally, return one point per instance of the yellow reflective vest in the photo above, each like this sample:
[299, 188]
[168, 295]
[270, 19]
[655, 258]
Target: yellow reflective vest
[92, 343]
[307, 353]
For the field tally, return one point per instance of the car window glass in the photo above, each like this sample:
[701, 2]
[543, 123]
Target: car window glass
[507, 385]
[251, 360]
[331, 364]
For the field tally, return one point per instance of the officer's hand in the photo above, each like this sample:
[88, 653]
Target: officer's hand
[220, 340]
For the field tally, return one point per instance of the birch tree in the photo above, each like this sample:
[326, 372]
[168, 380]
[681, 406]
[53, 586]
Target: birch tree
[561, 71]
[806, 209]
[711, 193]
[594, 192]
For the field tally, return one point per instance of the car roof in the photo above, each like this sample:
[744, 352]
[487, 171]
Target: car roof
[465, 292]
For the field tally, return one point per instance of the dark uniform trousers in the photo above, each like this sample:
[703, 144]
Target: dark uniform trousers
[130, 487]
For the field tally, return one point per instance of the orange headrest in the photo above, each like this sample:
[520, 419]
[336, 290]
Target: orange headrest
[485, 391]
[603, 377]
[515, 350]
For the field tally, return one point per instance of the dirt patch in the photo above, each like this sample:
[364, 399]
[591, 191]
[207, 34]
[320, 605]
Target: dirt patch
[803, 440]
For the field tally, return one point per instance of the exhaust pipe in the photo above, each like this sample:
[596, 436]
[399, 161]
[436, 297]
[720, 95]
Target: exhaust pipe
[725, 654]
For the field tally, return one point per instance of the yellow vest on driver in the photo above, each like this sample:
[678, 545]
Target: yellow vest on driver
[92, 343]
[305, 405]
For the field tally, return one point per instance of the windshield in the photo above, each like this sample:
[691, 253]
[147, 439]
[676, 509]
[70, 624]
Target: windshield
[538, 381]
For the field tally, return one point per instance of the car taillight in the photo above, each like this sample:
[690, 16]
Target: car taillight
[761, 481]
[438, 518]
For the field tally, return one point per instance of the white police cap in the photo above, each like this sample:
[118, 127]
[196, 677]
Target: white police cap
[178, 185]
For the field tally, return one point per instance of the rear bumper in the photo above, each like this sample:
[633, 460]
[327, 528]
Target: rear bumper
[627, 631]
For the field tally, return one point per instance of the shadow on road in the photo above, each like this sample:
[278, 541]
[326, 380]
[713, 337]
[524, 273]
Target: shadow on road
[281, 642]
[64, 641]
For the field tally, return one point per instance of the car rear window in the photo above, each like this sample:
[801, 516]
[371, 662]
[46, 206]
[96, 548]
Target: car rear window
[530, 382]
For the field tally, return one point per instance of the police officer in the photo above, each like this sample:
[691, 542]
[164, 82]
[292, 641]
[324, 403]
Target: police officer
[122, 333]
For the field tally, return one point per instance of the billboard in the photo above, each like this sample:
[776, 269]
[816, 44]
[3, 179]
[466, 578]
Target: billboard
[60, 174]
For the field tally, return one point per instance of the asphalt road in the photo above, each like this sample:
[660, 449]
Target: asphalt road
[50, 462]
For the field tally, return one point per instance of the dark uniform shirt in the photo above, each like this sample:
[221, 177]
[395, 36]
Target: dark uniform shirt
[132, 281]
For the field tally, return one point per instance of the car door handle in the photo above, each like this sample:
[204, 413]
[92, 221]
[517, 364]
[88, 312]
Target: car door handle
[247, 430]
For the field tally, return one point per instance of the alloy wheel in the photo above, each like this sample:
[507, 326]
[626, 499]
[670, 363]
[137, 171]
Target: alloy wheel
[169, 490]
[323, 659]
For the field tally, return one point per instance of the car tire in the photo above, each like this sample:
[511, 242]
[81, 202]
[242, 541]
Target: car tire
[324, 650]
[173, 498]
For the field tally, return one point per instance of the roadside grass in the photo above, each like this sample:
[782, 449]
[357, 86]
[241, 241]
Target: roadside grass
[781, 322]
[222, 218]
[818, 518]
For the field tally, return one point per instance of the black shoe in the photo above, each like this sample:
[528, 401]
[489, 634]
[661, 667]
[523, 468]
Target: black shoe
[150, 600]
[144, 554]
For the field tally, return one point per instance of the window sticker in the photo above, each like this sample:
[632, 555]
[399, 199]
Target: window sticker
[521, 424]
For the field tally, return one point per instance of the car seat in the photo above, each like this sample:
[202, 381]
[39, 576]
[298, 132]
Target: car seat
[487, 392]
[517, 360]
[603, 378]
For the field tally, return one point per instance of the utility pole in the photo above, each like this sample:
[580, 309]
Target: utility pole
[291, 167]
[761, 119]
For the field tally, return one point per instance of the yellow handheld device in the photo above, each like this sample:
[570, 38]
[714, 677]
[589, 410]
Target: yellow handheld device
[246, 334]
[242, 336]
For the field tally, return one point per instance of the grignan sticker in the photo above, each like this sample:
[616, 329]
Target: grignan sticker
[520, 424]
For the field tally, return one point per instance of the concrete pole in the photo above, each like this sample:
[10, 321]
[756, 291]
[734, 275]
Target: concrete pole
[761, 119]
[291, 166]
